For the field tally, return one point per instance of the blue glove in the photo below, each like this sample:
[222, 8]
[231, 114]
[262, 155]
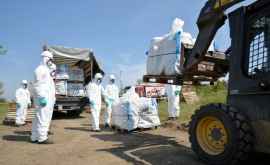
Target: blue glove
[42, 101]
[177, 93]
[107, 102]
[18, 105]
[111, 100]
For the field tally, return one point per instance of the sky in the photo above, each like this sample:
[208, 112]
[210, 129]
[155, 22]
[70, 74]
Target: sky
[118, 31]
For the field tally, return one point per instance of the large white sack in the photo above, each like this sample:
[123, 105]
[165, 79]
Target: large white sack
[164, 53]
[177, 25]
[149, 113]
[186, 38]
[62, 72]
[133, 112]
[125, 114]
[75, 74]
[61, 87]
[75, 89]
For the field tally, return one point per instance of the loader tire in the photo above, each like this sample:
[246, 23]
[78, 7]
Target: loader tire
[221, 135]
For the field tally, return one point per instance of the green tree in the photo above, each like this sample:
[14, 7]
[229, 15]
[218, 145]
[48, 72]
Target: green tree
[1, 92]
[3, 50]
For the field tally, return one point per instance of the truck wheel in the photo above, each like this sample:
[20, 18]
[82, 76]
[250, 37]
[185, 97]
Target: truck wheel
[220, 135]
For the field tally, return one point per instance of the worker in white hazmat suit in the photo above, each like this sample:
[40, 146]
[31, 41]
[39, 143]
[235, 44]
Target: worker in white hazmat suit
[44, 99]
[173, 94]
[95, 91]
[112, 97]
[23, 101]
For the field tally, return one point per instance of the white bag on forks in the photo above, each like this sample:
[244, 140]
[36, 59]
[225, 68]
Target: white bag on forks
[164, 53]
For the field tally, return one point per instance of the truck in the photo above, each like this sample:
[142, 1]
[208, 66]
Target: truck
[83, 65]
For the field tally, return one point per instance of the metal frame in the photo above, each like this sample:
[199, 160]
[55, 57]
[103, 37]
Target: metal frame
[249, 93]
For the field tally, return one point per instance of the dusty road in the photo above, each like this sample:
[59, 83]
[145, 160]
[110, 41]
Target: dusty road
[75, 144]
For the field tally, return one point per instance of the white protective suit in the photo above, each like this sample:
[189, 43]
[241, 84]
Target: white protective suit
[44, 99]
[173, 94]
[95, 91]
[112, 97]
[22, 101]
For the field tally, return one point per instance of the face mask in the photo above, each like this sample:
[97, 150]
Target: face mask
[49, 63]
[24, 86]
[53, 74]
[99, 81]
[112, 81]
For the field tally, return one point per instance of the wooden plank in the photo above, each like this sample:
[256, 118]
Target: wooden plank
[11, 115]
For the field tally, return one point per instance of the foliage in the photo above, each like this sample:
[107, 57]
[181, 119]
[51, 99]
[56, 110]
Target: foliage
[207, 94]
[1, 92]
[1, 88]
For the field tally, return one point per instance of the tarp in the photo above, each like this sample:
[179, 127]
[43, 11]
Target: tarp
[76, 56]
[74, 53]
[68, 55]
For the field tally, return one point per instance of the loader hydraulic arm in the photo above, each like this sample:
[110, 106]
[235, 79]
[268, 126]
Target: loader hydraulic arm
[211, 18]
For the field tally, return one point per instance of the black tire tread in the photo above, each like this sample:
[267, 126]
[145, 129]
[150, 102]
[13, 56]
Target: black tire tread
[245, 138]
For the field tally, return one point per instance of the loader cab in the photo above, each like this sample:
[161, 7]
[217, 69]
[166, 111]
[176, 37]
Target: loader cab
[250, 60]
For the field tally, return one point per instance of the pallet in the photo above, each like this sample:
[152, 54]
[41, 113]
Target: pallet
[11, 115]
[120, 130]
[174, 80]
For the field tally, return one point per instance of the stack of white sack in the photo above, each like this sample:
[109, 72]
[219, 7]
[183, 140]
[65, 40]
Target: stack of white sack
[164, 53]
[133, 112]
[62, 72]
[75, 74]
[61, 87]
[125, 113]
[148, 113]
[75, 89]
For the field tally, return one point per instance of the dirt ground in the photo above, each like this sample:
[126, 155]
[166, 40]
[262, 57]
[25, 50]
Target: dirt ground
[75, 144]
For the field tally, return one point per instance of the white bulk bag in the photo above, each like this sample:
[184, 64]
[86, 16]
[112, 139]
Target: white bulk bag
[125, 114]
[149, 113]
[164, 53]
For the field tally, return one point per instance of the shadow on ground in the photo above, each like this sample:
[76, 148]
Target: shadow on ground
[145, 148]
[64, 116]
[86, 129]
[16, 138]
[22, 132]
